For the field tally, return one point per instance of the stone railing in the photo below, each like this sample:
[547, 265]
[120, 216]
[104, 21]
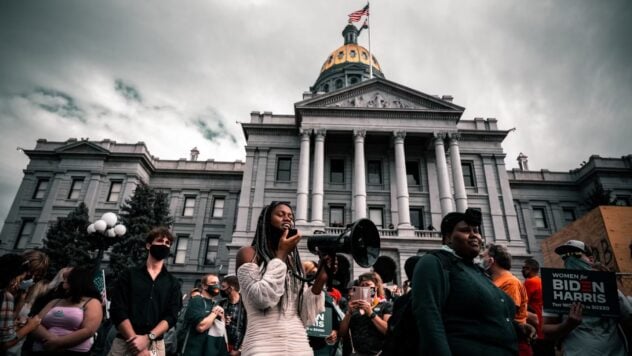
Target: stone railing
[425, 234]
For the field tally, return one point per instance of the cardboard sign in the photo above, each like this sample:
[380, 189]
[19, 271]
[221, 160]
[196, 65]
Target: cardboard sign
[596, 291]
[322, 326]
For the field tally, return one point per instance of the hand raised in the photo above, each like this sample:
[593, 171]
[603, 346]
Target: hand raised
[287, 244]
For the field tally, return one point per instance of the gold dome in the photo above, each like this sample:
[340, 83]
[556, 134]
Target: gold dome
[349, 53]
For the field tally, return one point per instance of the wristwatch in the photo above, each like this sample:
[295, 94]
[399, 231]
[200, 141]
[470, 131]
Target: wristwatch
[373, 315]
[152, 337]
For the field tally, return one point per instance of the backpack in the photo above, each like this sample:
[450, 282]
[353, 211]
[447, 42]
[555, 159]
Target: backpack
[402, 336]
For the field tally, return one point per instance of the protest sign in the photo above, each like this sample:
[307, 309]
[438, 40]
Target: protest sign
[322, 326]
[596, 291]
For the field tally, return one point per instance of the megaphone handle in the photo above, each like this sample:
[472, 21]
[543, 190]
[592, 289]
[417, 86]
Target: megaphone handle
[323, 264]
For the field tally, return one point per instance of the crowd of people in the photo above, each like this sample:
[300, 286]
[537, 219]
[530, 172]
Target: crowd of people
[461, 299]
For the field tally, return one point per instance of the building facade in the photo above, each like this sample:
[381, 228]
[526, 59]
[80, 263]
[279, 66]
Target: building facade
[356, 147]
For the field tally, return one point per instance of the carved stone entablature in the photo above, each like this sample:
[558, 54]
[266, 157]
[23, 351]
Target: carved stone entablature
[440, 135]
[377, 99]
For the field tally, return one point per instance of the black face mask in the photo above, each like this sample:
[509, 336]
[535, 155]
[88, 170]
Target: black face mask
[213, 289]
[159, 252]
[224, 293]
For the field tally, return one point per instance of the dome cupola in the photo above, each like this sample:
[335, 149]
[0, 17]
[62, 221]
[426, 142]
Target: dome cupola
[347, 65]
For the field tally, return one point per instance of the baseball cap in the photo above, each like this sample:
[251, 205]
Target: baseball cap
[571, 246]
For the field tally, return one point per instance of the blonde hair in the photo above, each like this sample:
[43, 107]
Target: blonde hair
[37, 262]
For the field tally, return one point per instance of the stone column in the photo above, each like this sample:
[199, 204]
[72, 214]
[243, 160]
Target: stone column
[359, 175]
[92, 194]
[260, 183]
[460, 196]
[243, 207]
[402, 183]
[442, 172]
[303, 178]
[46, 216]
[493, 192]
[318, 176]
[508, 202]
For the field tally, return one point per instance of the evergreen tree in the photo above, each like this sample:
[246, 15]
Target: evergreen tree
[144, 210]
[599, 196]
[66, 242]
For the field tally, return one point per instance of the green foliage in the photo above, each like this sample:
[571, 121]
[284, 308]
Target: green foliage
[66, 242]
[599, 196]
[146, 209]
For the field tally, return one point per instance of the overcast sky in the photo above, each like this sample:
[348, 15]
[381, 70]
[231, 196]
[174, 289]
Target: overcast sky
[181, 74]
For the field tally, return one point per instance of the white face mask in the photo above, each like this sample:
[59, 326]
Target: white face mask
[26, 284]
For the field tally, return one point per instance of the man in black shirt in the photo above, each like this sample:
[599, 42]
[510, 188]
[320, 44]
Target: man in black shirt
[146, 301]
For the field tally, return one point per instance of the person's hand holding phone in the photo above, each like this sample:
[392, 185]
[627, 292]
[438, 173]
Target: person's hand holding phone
[287, 243]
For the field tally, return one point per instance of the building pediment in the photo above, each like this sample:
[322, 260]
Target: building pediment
[378, 93]
[82, 147]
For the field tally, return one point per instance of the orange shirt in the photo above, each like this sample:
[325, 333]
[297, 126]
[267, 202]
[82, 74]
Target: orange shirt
[533, 287]
[512, 286]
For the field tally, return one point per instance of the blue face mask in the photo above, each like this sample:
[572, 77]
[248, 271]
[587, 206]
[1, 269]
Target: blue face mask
[573, 262]
[26, 284]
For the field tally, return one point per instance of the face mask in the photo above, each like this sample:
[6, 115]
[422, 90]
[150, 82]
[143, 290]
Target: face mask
[224, 293]
[159, 252]
[572, 262]
[213, 289]
[26, 284]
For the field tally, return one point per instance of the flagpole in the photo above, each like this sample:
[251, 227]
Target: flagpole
[368, 17]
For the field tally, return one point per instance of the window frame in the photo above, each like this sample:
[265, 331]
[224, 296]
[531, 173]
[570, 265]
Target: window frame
[73, 188]
[111, 191]
[211, 248]
[418, 173]
[469, 167]
[215, 208]
[544, 218]
[572, 212]
[342, 211]
[331, 170]
[287, 159]
[39, 189]
[379, 171]
[21, 235]
[381, 211]
[179, 239]
[185, 208]
[420, 215]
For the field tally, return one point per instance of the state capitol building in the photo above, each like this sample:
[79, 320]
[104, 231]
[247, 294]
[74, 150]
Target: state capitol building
[355, 147]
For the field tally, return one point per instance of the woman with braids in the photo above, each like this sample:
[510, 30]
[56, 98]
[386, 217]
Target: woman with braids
[279, 304]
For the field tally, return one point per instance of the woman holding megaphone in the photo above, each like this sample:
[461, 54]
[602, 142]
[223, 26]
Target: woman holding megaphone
[279, 304]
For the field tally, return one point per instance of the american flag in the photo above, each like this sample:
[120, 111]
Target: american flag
[357, 15]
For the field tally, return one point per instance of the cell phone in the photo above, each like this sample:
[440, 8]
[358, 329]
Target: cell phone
[363, 293]
[292, 232]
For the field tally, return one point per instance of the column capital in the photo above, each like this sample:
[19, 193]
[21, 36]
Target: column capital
[399, 134]
[320, 132]
[359, 133]
[305, 132]
[454, 136]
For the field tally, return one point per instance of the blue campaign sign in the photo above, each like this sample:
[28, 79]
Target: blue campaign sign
[322, 326]
[596, 291]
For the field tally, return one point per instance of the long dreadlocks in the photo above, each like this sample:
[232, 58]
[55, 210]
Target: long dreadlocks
[266, 242]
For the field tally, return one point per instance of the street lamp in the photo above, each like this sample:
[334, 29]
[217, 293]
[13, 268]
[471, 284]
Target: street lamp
[104, 231]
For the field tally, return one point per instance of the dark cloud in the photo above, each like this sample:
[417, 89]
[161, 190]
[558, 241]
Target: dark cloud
[127, 91]
[212, 127]
[56, 102]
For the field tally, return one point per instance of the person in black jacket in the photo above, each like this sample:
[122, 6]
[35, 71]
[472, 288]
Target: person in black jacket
[146, 301]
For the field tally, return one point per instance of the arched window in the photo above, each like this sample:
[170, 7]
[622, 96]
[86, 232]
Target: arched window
[338, 83]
